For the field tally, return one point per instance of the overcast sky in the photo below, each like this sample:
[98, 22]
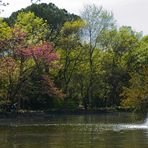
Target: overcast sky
[127, 12]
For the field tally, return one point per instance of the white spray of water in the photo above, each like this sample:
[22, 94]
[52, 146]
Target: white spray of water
[135, 126]
[146, 121]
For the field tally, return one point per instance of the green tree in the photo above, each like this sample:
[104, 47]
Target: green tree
[35, 28]
[5, 35]
[136, 95]
[122, 43]
[54, 16]
[70, 49]
[97, 20]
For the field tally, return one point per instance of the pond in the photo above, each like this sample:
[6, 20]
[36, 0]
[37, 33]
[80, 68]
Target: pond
[109, 130]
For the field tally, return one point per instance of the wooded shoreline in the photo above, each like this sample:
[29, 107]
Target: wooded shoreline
[59, 62]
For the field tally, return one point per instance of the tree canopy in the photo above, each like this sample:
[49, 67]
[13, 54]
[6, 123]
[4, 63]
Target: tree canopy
[51, 59]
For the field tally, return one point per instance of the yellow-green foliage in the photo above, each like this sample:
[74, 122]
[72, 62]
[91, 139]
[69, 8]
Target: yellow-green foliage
[136, 95]
[72, 27]
[35, 28]
[5, 30]
[74, 24]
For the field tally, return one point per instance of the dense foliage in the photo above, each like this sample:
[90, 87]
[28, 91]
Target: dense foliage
[50, 59]
[54, 16]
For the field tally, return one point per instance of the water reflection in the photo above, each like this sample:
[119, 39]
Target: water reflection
[75, 132]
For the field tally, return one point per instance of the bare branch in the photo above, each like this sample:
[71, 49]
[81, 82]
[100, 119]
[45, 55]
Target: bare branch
[35, 1]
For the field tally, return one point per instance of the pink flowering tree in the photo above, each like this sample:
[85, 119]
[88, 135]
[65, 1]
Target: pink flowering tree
[44, 57]
[42, 53]
[26, 69]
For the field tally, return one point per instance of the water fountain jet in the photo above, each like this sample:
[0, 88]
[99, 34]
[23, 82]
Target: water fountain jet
[146, 121]
[133, 126]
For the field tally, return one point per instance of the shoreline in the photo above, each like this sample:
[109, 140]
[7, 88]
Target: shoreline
[43, 114]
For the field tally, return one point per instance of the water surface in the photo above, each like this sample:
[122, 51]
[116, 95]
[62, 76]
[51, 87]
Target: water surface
[121, 130]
